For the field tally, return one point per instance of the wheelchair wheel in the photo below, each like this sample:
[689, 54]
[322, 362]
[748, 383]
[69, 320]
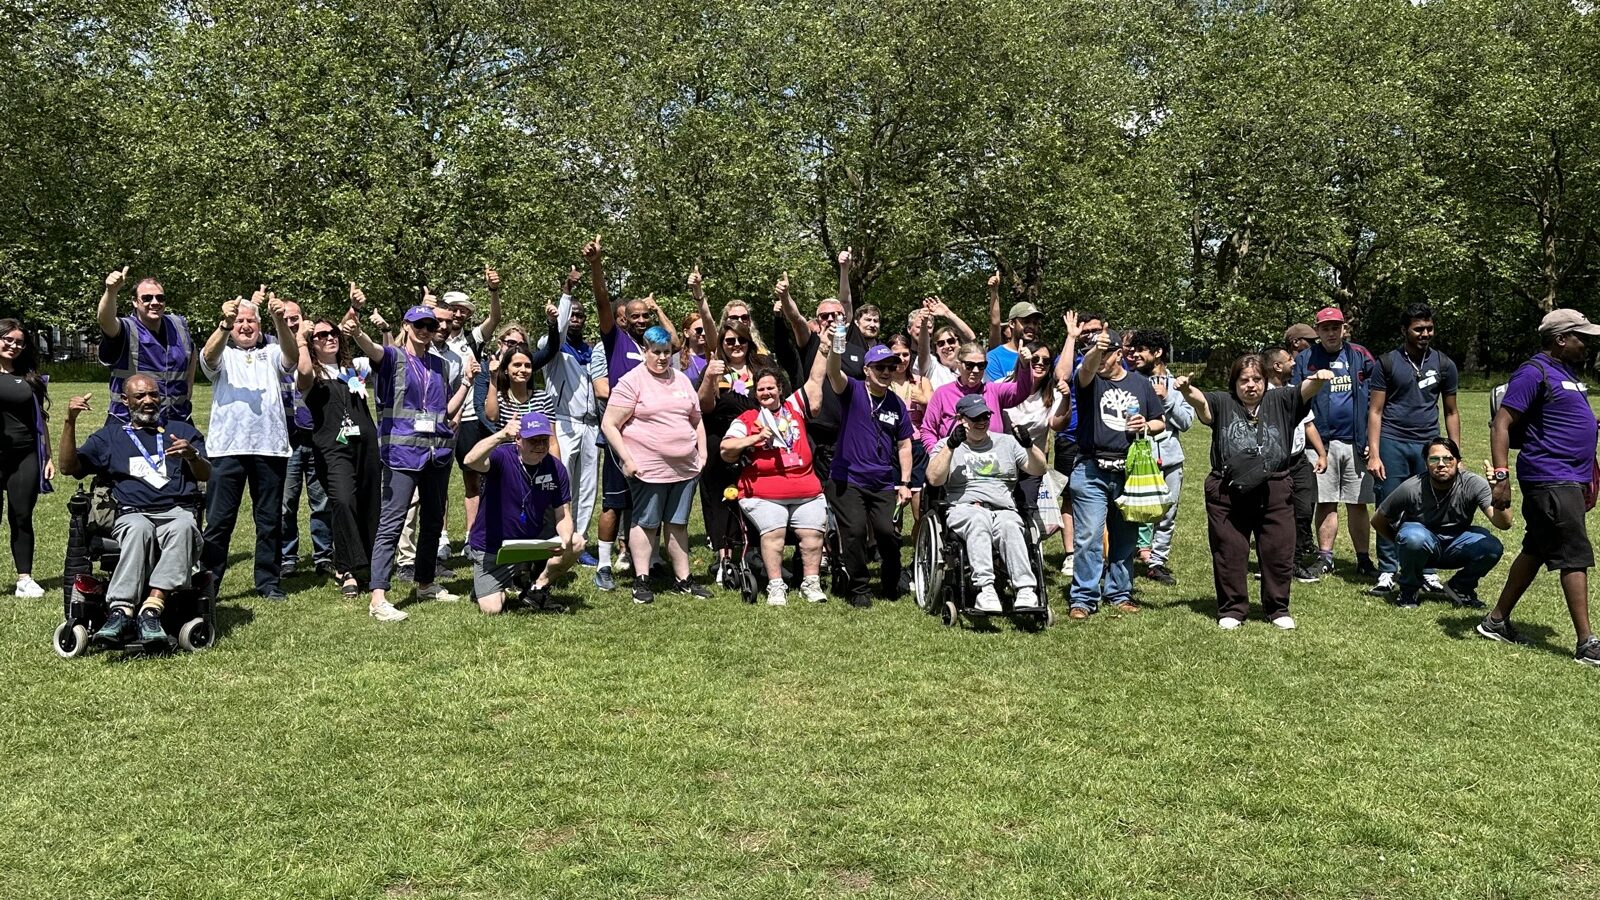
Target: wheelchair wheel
[195, 635]
[1049, 616]
[749, 591]
[71, 639]
[927, 563]
[950, 615]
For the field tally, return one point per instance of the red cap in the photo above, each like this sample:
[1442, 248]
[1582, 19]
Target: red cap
[1330, 314]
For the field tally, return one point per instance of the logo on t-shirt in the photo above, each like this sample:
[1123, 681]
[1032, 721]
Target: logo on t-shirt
[983, 464]
[545, 482]
[1117, 406]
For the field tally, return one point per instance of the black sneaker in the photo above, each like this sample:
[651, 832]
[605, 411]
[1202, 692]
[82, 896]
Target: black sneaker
[688, 586]
[287, 567]
[1588, 653]
[327, 569]
[1160, 573]
[151, 634]
[406, 573]
[1308, 574]
[860, 601]
[641, 590]
[117, 631]
[1364, 566]
[1463, 598]
[1325, 563]
[1408, 599]
[1499, 631]
[538, 598]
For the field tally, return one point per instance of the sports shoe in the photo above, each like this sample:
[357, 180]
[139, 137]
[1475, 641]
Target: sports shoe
[1229, 623]
[988, 600]
[539, 598]
[151, 634]
[1364, 565]
[1463, 598]
[1432, 584]
[1499, 631]
[1385, 584]
[117, 630]
[384, 611]
[811, 589]
[406, 573]
[1284, 622]
[587, 560]
[777, 593]
[1308, 574]
[603, 579]
[445, 550]
[860, 601]
[1160, 573]
[1588, 652]
[1027, 598]
[688, 586]
[1066, 564]
[641, 590]
[1325, 563]
[1408, 599]
[435, 592]
[287, 568]
[27, 587]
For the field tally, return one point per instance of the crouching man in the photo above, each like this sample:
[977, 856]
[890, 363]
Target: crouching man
[1429, 519]
[527, 495]
[981, 469]
[155, 471]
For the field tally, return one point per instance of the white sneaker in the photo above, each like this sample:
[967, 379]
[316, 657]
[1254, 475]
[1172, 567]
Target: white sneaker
[988, 600]
[1284, 622]
[27, 587]
[1026, 599]
[811, 589]
[777, 593]
[1431, 583]
[385, 612]
[1229, 624]
[435, 592]
[1385, 584]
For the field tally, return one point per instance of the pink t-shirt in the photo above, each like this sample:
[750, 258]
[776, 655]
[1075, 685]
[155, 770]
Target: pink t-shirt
[660, 434]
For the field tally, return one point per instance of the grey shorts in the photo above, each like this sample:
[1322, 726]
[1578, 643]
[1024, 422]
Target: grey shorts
[489, 578]
[775, 515]
[655, 503]
[1346, 480]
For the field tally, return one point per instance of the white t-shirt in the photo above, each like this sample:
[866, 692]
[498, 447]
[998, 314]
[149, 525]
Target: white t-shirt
[247, 415]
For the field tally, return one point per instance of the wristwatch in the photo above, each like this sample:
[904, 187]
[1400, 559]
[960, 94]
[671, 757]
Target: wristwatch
[1500, 475]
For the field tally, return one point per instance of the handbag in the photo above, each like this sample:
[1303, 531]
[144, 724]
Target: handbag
[1244, 470]
[1144, 491]
[1047, 511]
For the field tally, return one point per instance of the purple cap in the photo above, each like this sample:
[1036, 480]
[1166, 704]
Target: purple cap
[534, 424]
[878, 354]
[419, 313]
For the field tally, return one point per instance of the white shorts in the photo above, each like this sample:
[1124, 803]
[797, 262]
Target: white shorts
[1346, 480]
[771, 515]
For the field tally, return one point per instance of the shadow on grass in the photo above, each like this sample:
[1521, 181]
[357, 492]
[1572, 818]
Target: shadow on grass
[1462, 627]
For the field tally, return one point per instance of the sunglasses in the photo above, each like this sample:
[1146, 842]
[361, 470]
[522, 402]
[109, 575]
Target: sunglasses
[426, 325]
[972, 366]
[1040, 361]
[1440, 460]
[153, 298]
[509, 341]
[947, 342]
[733, 318]
[734, 342]
[885, 368]
[324, 335]
[829, 315]
[697, 331]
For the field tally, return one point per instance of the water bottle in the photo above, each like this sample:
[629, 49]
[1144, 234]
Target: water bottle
[839, 332]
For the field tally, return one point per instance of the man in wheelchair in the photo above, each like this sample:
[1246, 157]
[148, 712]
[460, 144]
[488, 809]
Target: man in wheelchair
[979, 470]
[155, 471]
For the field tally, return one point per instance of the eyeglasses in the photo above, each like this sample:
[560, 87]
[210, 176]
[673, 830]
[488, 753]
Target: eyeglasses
[426, 325]
[973, 365]
[829, 315]
[152, 298]
[324, 335]
[509, 341]
[734, 342]
[1440, 460]
[13, 342]
[947, 342]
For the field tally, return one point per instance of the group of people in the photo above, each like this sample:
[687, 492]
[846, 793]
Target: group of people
[823, 422]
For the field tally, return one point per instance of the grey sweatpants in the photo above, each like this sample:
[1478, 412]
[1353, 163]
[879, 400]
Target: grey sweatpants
[1161, 540]
[982, 528]
[159, 550]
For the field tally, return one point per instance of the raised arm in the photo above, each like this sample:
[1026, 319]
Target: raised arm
[996, 337]
[846, 298]
[938, 307]
[212, 352]
[1069, 350]
[1091, 360]
[818, 374]
[701, 304]
[664, 320]
[491, 280]
[106, 312]
[350, 327]
[67, 462]
[1196, 398]
[837, 380]
[922, 328]
[549, 346]
[597, 283]
[478, 457]
[1314, 382]
[288, 338]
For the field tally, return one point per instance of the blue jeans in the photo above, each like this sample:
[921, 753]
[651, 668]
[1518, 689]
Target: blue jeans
[302, 469]
[1095, 490]
[1401, 460]
[1474, 552]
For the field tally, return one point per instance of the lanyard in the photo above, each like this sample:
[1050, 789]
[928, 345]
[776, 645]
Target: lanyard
[426, 379]
[782, 427]
[157, 462]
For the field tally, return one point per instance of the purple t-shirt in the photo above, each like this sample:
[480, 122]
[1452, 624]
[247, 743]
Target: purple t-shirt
[1561, 427]
[867, 454]
[622, 353]
[517, 499]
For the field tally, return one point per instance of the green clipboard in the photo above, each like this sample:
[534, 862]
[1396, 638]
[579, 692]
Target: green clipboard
[525, 551]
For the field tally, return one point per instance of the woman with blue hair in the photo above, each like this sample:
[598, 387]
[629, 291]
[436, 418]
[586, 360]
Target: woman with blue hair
[652, 425]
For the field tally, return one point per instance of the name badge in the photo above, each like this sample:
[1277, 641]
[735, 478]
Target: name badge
[140, 468]
[350, 431]
[1428, 381]
[790, 459]
[422, 426]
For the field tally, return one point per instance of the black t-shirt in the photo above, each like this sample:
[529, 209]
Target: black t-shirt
[1273, 428]
[16, 412]
[332, 404]
[1104, 407]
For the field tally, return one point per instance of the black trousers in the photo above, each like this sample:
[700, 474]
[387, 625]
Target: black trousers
[230, 475]
[1232, 519]
[352, 478]
[718, 515]
[19, 466]
[861, 513]
[1304, 482]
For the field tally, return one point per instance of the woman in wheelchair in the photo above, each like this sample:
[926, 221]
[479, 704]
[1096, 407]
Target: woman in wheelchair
[778, 488]
[155, 471]
[979, 470]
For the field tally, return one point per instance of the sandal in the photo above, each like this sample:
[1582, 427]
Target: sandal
[349, 587]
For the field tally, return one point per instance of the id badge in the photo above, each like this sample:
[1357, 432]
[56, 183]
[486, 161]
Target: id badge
[141, 469]
[350, 431]
[423, 426]
[790, 459]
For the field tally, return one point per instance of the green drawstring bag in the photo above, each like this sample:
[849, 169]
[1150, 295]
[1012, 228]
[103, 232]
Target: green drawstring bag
[1144, 493]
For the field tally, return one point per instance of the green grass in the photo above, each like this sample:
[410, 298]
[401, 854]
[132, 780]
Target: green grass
[712, 749]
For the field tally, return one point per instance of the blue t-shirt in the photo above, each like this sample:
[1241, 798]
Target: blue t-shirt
[1002, 362]
[518, 499]
[1338, 420]
[1561, 427]
[870, 432]
[1411, 404]
[135, 459]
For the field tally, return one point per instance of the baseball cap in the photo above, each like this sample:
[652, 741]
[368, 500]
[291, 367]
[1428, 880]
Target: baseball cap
[421, 313]
[972, 406]
[1566, 321]
[1299, 331]
[534, 424]
[1330, 314]
[878, 354]
[1022, 310]
[459, 298]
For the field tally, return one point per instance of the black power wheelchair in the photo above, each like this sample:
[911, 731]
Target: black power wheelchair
[190, 612]
[941, 574]
[746, 571]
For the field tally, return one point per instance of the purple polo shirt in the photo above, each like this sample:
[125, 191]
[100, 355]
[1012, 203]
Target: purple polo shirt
[518, 499]
[622, 353]
[867, 454]
[1561, 427]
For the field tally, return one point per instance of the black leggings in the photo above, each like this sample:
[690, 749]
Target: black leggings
[718, 515]
[20, 467]
[353, 480]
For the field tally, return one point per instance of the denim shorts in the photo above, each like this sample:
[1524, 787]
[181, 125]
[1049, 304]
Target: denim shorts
[655, 503]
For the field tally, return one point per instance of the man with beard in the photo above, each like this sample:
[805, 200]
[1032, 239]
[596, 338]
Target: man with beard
[250, 433]
[1025, 320]
[1408, 385]
[155, 472]
[1428, 520]
[577, 412]
[1341, 417]
[151, 341]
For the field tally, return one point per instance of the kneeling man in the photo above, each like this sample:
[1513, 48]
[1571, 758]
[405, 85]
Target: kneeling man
[155, 472]
[1429, 518]
[981, 469]
[527, 495]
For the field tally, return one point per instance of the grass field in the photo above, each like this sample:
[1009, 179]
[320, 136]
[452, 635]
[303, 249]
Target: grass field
[712, 749]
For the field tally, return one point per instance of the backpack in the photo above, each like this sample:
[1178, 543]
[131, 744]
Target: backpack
[1519, 428]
